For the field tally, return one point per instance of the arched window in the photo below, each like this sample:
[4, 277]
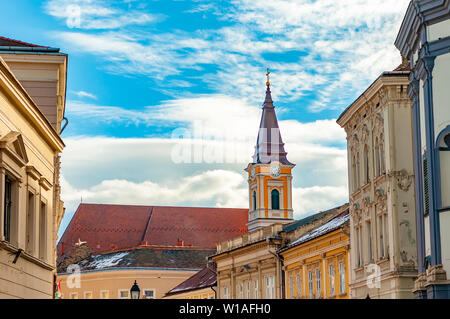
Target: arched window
[275, 199]
[443, 177]
[377, 158]
[254, 200]
[358, 168]
[355, 184]
[366, 164]
[382, 159]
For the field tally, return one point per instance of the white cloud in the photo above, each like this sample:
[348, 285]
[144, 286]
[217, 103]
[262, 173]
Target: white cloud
[96, 14]
[346, 44]
[86, 94]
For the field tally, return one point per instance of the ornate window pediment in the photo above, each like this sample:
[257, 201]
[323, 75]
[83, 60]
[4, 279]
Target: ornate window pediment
[13, 144]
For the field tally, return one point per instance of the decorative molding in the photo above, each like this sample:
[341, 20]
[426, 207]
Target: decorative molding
[404, 180]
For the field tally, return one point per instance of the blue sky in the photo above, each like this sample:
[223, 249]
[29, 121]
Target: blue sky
[138, 70]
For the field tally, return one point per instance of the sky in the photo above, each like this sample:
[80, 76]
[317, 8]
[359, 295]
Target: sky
[164, 97]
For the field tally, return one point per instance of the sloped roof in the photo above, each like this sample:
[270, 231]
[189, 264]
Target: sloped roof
[112, 227]
[203, 279]
[167, 258]
[335, 223]
[269, 145]
[298, 223]
[16, 43]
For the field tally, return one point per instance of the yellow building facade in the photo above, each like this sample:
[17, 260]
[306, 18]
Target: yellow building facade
[316, 265]
[30, 205]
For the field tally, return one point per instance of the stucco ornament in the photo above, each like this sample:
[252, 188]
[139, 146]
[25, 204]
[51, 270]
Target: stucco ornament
[404, 180]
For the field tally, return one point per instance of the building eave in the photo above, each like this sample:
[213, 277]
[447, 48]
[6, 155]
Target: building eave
[29, 107]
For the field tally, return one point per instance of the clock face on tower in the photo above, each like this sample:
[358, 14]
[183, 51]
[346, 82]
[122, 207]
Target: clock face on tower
[275, 169]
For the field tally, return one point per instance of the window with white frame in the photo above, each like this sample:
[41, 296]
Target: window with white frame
[318, 284]
[73, 295]
[255, 287]
[248, 290]
[291, 287]
[342, 278]
[299, 286]
[270, 287]
[88, 295]
[104, 294]
[241, 291]
[149, 293]
[43, 231]
[332, 280]
[124, 294]
[30, 223]
[310, 285]
[226, 292]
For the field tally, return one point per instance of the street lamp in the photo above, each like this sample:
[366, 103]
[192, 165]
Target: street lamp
[135, 291]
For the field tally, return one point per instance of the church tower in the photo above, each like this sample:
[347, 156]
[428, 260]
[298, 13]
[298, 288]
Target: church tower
[269, 175]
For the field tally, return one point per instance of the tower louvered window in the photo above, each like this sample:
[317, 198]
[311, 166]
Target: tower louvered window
[275, 199]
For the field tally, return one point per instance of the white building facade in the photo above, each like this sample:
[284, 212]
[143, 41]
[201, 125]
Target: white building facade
[424, 39]
[381, 187]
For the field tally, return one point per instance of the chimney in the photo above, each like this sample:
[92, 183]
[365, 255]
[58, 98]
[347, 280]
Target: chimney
[180, 242]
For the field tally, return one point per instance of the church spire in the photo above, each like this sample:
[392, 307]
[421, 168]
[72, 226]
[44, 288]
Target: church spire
[269, 146]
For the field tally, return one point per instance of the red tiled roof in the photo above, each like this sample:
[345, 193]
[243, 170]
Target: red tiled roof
[16, 43]
[110, 227]
[200, 280]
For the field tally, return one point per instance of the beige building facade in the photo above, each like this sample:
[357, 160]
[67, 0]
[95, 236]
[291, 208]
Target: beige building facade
[381, 187]
[116, 283]
[30, 205]
[248, 266]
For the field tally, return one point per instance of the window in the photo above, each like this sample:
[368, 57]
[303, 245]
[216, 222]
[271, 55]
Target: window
[104, 294]
[7, 209]
[291, 287]
[241, 291]
[366, 164]
[318, 284]
[332, 281]
[381, 235]
[358, 246]
[248, 290]
[149, 294]
[124, 294]
[382, 159]
[310, 285]
[43, 231]
[299, 286]
[254, 200]
[270, 287]
[73, 295]
[88, 295]
[355, 183]
[226, 292]
[377, 158]
[255, 287]
[275, 199]
[358, 168]
[30, 223]
[342, 278]
[369, 241]
[443, 160]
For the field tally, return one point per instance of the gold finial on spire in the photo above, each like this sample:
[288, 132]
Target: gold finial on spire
[267, 74]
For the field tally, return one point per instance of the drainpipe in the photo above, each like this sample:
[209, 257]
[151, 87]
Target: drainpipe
[215, 292]
[280, 265]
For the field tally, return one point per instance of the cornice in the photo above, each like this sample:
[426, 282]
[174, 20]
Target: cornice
[384, 80]
[419, 15]
[13, 87]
